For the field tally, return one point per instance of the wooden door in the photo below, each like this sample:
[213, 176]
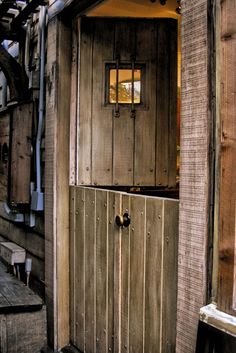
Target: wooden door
[123, 280]
[127, 141]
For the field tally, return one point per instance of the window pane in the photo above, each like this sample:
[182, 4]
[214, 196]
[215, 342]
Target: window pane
[125, 86]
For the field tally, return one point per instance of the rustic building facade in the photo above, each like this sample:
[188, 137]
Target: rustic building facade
[125, 253]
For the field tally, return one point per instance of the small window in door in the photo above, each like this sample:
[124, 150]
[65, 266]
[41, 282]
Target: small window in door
[124, 85]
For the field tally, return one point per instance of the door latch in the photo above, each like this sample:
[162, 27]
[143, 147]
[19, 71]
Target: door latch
[123, 221]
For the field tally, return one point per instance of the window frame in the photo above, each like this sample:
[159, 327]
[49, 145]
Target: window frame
[125, 66]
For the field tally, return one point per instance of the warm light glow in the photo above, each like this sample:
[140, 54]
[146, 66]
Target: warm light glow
[125, 86]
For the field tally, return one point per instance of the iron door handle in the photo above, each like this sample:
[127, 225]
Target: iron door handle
[123, 221]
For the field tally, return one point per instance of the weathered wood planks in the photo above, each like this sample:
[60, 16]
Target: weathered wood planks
[123, 280]
[22, 317]
[196, 120]
[57, 181]
[4, 154]
[15, 296]
[124, 150]
[227, 221]
[21, 150]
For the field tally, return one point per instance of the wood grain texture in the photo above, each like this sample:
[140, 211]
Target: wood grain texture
[62, 182]
[22, 120]
[162, 149]
[85, 103]
[72, 265]
[123, 127]
[57, 181]
[124, 150]
[74, 101]
[153, 275]
[194, 179]
[50, 135]
[172, 126]
[114, 205]
[146, 118]
[101, 270]
[227, 263]
[102, 118]
[4, 139]
[169, 290]
[125, 276]
[124, 283]
[90, 270]
[15, 296]
[18, 332]
[79, 270]
[137, 278]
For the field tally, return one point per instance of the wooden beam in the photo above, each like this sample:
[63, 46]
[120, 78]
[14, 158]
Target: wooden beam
[5, 6]
[79, 7]
[16, 77]
[57, 182]
[227, 260]
[195, 182]
[25, 12]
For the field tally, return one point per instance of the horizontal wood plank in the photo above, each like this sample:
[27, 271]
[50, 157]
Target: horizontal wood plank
[15, 296]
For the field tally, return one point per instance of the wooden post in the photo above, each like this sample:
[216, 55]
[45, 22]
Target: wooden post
[195, 182]
[57, 182]
[226, 277]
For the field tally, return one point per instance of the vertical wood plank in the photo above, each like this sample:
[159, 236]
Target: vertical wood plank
[145, 122]
[85, 102]
[169, 290]
[125, 279]
[195, 182]
[101, 271]
[74, 101]
[154, 221]
[72, 265]
[123, 127]
[21, 154]
[116, 209]
[79, 267]
[61, 179]
[113, 290]
[137, 277]
[227, 250]
[3, 334]
[172, 126]
[101, 117]
[4, 140]
[90, 273]
[50, 152]
[162, 140]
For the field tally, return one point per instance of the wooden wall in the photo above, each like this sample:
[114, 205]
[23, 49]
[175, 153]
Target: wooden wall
[196, 120]
[123, 280]
[31, 239]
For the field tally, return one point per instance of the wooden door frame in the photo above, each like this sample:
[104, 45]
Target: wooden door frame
[59, 68]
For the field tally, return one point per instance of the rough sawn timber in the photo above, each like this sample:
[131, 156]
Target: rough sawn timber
[194, 178]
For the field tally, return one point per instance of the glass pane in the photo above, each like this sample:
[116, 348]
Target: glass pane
[125, 86]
